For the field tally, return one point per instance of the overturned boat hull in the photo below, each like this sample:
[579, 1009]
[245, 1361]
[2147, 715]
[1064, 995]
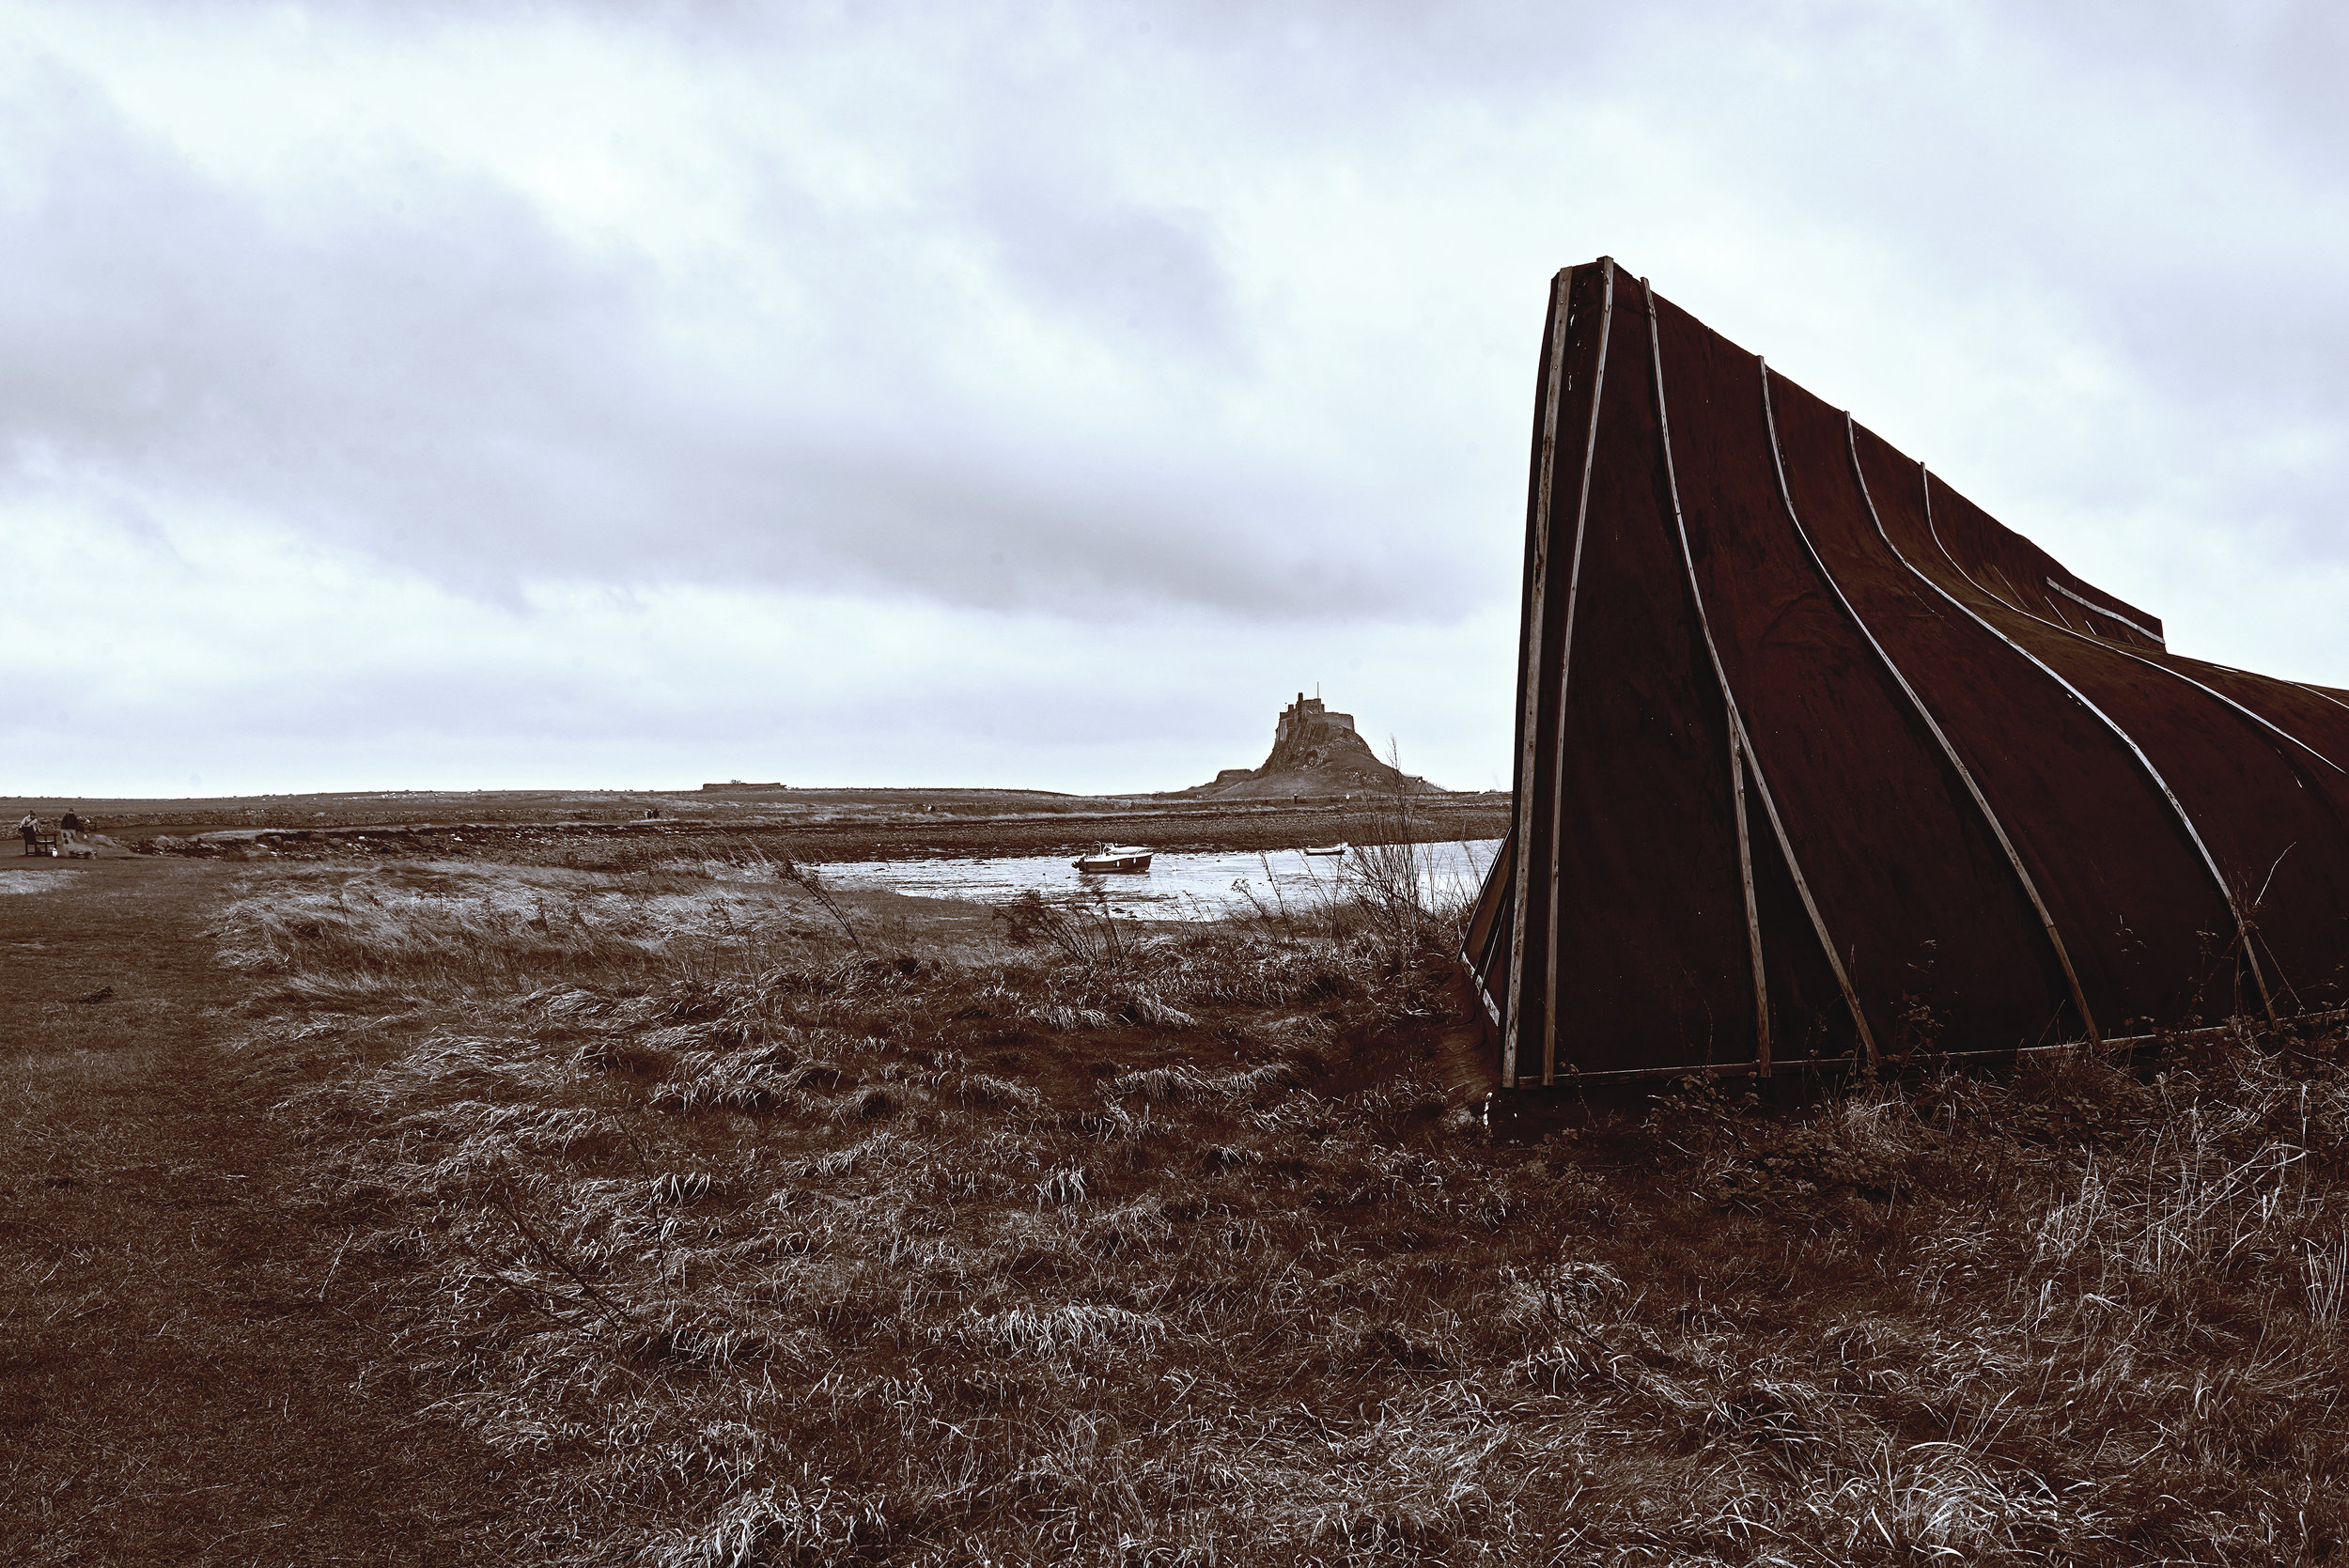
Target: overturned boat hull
[1817, 760]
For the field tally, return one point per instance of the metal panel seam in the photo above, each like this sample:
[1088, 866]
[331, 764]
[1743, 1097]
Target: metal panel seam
[1753, 906]
[2301, 685]
[2107, 1049]
[1561, 299]
[1473, 962]
[1744, 737]
[2259, 719]
[1949, 749]
[2243, 930]
[1565, 661]
[2313, 690]
[1729, 707]
[2107, 615]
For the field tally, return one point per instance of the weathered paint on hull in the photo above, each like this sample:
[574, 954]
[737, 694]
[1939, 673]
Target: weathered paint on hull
[1815, 759]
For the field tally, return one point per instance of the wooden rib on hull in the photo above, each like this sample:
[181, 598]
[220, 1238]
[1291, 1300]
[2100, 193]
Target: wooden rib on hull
[1814, 759]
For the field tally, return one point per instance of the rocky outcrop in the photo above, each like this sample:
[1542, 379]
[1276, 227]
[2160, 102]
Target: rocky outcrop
[1314, 753]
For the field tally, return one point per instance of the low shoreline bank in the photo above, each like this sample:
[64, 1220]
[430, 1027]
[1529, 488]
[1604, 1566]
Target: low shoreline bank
[829, 838]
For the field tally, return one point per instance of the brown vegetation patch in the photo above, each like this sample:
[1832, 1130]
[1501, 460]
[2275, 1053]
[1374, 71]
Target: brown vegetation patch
[1124, 1248]
[759, 1243]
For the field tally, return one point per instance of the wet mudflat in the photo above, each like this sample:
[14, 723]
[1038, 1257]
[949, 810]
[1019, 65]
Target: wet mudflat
[1206, 885]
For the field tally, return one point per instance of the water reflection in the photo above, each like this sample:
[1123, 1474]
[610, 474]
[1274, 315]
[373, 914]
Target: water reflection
[1176, 887]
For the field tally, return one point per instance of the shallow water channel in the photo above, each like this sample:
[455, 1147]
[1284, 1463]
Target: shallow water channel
[1204, 886]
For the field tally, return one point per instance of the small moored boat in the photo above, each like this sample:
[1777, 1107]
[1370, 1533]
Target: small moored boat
[1338, 849]
[1120, 856]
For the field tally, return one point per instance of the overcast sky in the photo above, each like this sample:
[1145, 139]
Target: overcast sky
[454, 395]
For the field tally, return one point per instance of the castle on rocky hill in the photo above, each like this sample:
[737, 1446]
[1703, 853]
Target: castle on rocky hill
[1305, 717]
[1314, 752]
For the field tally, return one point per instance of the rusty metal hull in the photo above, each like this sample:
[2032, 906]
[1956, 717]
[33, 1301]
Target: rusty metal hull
[1814, 759]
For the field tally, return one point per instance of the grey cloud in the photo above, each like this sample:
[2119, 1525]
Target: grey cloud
[1145, 278]
[431, 374]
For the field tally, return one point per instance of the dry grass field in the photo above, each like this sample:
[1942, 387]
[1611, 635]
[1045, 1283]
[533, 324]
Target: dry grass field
[702, 1223]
